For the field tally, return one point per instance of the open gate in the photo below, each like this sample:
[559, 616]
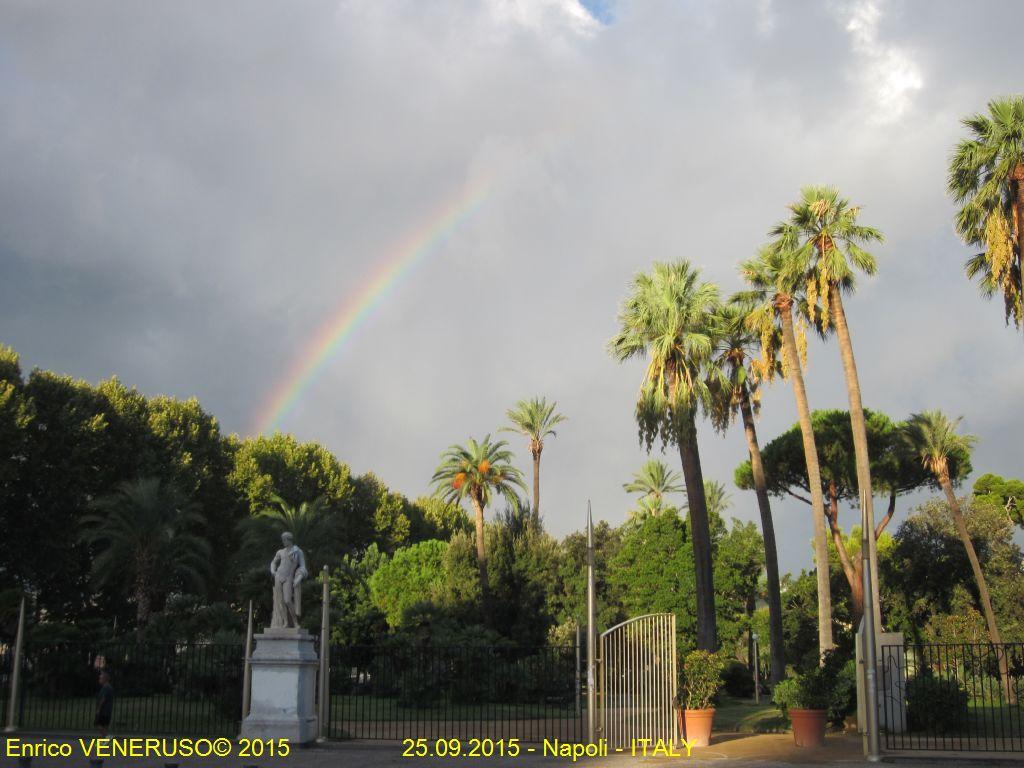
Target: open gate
[637, 680]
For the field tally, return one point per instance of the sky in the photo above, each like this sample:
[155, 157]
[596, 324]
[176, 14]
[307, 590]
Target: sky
[191, 191]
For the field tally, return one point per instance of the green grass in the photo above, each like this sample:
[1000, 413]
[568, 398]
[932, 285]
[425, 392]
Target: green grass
[132, 714]
[734, 715]
[367, 707]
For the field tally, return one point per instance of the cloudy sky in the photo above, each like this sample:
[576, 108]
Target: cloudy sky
[189, 191]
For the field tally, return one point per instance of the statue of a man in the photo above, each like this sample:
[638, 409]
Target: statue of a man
[288, 569]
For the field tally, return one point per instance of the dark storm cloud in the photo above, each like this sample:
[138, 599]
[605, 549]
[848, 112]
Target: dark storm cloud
[190, 189]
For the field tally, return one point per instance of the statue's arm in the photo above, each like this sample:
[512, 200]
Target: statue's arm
[275, 563]
[301, 572]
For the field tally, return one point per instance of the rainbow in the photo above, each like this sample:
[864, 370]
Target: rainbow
[359, 305]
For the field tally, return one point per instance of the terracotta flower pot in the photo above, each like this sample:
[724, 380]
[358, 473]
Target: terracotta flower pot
[697, 726]
[808, 727]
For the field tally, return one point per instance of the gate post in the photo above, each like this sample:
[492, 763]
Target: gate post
[19, 642]
[247, 669]
[325, 661]
[591, 634]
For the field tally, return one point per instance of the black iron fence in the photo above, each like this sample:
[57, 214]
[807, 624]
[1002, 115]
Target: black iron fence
[391, 692]
[953, 697]
[159, 688]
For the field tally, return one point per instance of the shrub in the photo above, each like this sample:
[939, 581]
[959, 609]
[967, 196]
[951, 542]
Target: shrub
[810, 690]
[702, 679]
[935, 704]
[843, 700]
[738, 680]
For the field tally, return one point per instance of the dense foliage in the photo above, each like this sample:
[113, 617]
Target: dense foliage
[101, 476]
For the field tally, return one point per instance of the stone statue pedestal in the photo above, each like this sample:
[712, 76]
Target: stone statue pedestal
[284, 672]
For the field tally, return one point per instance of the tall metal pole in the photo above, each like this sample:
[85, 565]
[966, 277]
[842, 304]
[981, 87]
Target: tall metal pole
[325, 657]
[247, 671]
[591, 634]
[871, 737]
[579, 704]
[19, 642]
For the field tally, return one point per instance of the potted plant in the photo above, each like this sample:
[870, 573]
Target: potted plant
[805, 700]
[702, 677]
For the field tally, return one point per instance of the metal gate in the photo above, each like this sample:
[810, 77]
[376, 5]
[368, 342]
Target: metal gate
[952, 697]
[393, 691]
[637, 681]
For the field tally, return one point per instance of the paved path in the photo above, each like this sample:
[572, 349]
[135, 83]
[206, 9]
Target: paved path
[727, 751]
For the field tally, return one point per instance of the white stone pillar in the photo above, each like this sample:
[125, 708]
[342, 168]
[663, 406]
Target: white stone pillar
[284, 670]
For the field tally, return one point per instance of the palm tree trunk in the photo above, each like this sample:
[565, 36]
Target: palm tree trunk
[536, 486]
[1018, 176]
[979, 577]
[813, 477]
[851, 569]
[860, 440]
[771, 553]
[481, 552]
[700, 530]
[142, 609]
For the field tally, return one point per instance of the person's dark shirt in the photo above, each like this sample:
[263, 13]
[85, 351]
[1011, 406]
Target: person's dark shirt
[105, 699]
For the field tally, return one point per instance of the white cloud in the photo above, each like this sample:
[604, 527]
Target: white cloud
[549, 16]
[887, 73]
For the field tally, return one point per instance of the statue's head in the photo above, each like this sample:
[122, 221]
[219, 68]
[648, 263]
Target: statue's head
[287, 539]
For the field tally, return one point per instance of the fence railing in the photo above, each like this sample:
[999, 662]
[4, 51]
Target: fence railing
[159, 688]
[953, 696]
[391, 692]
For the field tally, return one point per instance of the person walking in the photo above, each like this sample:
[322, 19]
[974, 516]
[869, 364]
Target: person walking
[104, 703]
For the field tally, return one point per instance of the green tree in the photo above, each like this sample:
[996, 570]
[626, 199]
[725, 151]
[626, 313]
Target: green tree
[355, 619]
[823, 238]
[894, 471]
[653, 572]
[569, 595]
[441, 519]
[935, 587]
[1002, 492]
[739, 561]
[523, 563]
[478, 471]
[736, 388]
[986, 178]
[146, 531]
[668, 319]
[535, 419]
[414, 575]
[935, 440]
[390, 515]
[280, 466]
[308, 522]
[774, 291]
[653, 481]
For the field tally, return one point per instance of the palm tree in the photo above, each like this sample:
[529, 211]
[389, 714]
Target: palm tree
[772, 297]
[986, 176]
[478, 471]
[667, 318]
[653, 482]
[309, 523]
[934, 439]
[825, 240]
[719, 500]
[742, 374]
[535, 419]
[146, 530]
